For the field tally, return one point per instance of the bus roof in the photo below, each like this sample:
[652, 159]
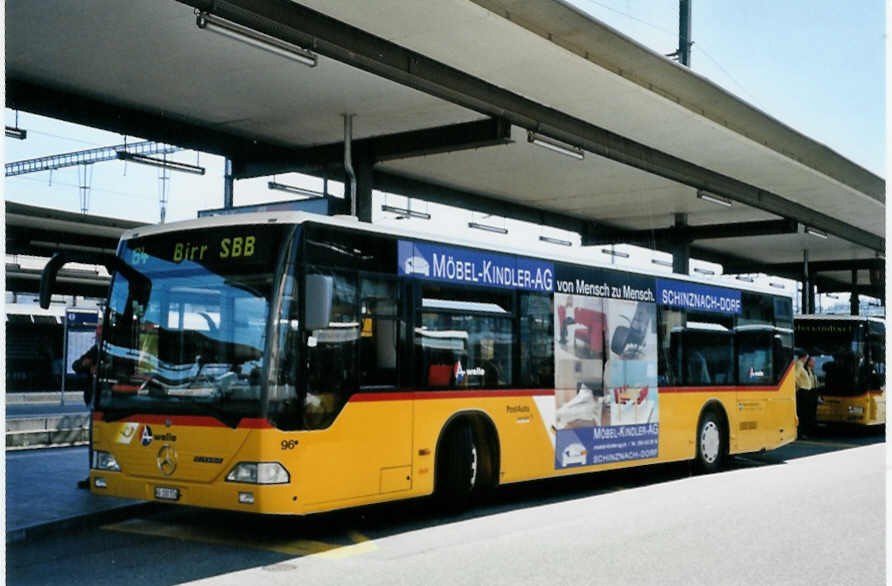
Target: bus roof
[575, 255]
[826, 317]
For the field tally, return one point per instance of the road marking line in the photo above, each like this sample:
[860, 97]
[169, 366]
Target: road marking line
[300, 547]
[361, 544]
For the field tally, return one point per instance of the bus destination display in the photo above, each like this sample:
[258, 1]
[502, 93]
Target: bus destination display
[219, 246]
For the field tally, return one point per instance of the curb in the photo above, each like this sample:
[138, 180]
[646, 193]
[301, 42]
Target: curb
[43, 397]
[85, 521]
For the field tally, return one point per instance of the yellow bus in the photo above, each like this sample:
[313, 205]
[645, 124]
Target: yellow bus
[290, 363]
[850, 366]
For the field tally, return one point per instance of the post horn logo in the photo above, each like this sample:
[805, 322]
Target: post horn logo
[167, 459]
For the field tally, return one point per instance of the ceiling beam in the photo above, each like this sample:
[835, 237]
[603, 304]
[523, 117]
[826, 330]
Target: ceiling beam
[296, 24]
[425, 191]
[157, 126]
[835, 286]
[796, 268]
[67, 283]
[413, 143]
[38, 242]
[688, 233]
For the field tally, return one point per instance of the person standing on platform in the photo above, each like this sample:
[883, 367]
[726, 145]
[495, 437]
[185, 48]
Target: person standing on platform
[805, 410]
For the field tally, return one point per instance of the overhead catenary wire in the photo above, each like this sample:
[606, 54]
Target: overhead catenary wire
[77, 185]
[671, 33]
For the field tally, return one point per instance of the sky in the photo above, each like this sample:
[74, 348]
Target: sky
[818, 66]
[815, 65]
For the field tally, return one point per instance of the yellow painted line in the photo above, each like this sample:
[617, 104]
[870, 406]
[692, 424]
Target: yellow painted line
[361, 544]
[220, 536]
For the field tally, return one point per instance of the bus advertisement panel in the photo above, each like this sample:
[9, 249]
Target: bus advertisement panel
[605, 367]
[606, 407]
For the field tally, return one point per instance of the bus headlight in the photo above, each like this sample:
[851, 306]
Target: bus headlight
[259, 473]
[856, 410]
[105, 461]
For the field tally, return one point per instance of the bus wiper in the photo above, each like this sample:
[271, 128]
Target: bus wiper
[228, 419]
[222, 388]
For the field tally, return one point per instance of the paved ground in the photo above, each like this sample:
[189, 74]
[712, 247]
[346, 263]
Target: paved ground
[810, 513]
[42, 493]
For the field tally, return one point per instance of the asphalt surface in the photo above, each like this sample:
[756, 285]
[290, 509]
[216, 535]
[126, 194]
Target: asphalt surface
[810, 513]
[815, 520]
[42, 496]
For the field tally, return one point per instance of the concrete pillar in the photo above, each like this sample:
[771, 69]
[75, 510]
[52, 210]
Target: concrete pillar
[364, 185]
[681, 247]
[228, 184]
[854, 300]
[806, 286]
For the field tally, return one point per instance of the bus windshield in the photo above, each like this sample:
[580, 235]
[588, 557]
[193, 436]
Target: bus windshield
[189, 337]
[838, 349]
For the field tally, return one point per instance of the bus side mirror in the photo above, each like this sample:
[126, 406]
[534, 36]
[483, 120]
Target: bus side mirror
[319, 291]
[111, 262]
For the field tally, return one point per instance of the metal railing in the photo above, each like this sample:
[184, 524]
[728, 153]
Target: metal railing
[87, 157]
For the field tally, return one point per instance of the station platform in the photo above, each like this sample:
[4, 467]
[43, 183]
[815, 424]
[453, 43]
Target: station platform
[42, 494]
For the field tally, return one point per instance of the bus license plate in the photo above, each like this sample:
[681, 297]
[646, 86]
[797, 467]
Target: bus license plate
[168, 494]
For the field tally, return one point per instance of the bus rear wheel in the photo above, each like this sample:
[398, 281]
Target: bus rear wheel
[711, 446]
[457, 467]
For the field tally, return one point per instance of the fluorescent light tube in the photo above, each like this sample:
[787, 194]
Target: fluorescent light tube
[552, 240]
[816, 232]
[406, 212]
[555, 145]
[293, 189]
[488, 228]
[712, 198]
[254, 38]
[172, 165]
[16, 132]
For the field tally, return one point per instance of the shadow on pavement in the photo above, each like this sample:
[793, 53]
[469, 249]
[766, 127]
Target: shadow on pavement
[198, 543]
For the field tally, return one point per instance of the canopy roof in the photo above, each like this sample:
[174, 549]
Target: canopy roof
[444, 94]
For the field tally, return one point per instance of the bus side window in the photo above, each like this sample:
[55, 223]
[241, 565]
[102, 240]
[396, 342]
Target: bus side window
[669, 351]
[332, 351]
[758, 342]
[536, 341]
[783, 341]
[708, 349]
[378, 342]
[755, 350]
[465, 338]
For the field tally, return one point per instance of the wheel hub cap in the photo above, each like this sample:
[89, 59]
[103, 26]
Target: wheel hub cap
[710, 440]
[473, 466]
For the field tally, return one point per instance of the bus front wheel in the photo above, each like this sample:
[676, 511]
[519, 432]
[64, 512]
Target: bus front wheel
[457, 467]
[710, 443]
